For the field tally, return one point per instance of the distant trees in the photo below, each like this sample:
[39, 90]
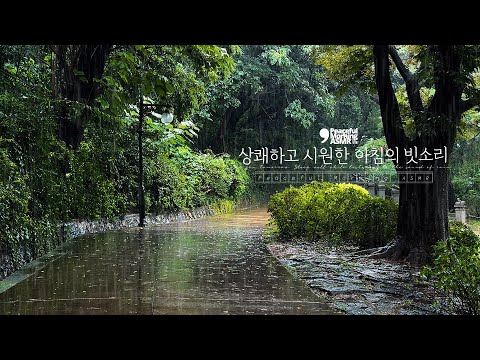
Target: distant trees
[277, 96]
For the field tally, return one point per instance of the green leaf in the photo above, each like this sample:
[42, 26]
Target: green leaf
[80, 74]
[10, 68]
[103, 103]
[169, 86]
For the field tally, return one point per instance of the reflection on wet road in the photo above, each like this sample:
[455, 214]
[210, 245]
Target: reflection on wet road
[215, 265]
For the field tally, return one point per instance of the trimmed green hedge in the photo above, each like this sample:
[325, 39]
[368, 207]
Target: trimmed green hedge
[180, 183]
[335, 212]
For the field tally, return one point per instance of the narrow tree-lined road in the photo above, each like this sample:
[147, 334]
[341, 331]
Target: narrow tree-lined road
[215, 265]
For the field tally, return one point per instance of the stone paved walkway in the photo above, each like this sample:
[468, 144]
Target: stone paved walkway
[357, 285]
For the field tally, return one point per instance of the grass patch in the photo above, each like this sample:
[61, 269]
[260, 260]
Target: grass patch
[474, 224]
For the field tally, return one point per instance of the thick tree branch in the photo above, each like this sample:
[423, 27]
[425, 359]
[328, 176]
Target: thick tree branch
[402, 69]
[391, 119]
[411, 82]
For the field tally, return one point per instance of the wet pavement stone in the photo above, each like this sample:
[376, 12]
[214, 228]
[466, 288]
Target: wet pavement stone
[357, 285]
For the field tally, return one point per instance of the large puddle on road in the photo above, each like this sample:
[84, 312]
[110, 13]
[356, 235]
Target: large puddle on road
[214, 265]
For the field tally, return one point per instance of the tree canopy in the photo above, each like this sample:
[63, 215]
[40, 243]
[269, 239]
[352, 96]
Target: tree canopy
[424, 101]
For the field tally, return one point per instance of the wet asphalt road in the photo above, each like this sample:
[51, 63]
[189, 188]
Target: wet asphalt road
[214, 265]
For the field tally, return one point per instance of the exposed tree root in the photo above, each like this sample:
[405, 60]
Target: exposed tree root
[396, 251]
[389, 251]
[373, 250]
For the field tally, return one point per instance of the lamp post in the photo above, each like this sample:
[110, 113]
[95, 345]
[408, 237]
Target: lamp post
[166, 118]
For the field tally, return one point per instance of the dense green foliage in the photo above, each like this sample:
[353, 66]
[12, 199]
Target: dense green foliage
[278, 97]
[68, 141]
[22, 236]
[466, 173]
[336, 212]
[189, 180]
[455, 271]
[378, 219]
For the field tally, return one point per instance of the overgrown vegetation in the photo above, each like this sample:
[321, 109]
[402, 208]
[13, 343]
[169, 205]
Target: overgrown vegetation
[187, 180]
[466, 170]
[22, 236]
[340, 213]
[455, 271]
[68, 138]
[277, 96]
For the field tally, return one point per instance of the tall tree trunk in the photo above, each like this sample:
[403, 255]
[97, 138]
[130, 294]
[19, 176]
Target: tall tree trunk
[423, 207]
[222, 131]
[76, 71]
[422, 216]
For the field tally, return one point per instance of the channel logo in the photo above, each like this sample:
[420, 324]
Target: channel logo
[339, 136]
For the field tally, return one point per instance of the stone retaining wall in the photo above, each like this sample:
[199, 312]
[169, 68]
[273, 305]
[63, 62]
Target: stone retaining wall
[74, 229]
